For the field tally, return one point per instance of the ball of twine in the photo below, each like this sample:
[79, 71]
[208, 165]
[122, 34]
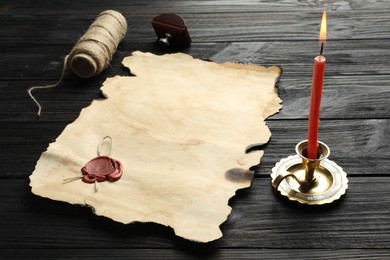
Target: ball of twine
[94, 50]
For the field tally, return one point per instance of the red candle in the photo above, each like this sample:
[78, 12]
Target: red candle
[316, 93]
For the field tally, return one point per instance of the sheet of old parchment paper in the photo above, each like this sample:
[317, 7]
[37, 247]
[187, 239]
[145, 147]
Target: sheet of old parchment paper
[180, 127]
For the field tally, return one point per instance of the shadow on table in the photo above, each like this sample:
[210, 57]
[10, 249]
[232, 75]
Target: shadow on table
[61, 225]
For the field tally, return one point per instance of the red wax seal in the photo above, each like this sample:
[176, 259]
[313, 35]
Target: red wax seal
[102, 168]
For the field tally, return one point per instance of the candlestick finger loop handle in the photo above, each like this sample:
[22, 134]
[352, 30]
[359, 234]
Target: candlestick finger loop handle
[309, 181]
[276, 182]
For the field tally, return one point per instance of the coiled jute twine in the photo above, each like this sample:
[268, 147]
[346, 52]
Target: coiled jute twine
[94, 50]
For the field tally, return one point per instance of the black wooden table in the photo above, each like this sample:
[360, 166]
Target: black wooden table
[36, 35]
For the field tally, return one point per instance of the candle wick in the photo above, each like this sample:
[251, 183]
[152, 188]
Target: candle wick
[322, 48]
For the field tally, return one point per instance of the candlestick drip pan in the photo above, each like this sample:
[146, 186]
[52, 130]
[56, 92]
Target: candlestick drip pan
[309, 181]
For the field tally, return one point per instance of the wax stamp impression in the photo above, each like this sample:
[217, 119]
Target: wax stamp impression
[102, 168]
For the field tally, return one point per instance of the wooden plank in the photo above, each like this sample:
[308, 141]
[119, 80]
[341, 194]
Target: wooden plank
[45, 62]
[344, 57]
[358, 146]
[351, 98]
[359, 89]
[344, 97]
[196, 252]
[204, 27]
[28, 7]
[258, 220]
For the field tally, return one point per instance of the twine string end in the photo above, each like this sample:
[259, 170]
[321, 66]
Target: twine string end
[31, 89]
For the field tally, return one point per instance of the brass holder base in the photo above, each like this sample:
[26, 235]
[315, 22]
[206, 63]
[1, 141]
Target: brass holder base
[309, 181]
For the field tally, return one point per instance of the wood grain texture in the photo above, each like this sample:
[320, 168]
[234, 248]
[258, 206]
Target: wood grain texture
[203, 27]
[343, 98]
[344, 58]
[36, 35]
[356, 83]
[360, 147]
[258, 220]
[187, 253]
[28, 7]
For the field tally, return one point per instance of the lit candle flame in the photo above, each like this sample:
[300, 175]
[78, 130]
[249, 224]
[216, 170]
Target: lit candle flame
[323, 29]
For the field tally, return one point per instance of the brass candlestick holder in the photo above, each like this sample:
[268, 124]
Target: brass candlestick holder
[309, 181]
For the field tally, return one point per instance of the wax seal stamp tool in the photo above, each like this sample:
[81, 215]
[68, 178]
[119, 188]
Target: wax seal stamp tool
[171, 31]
